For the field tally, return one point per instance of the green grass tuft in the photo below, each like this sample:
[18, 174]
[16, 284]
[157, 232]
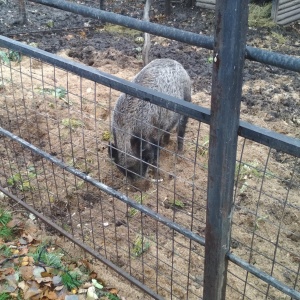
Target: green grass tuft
[71, 280]
[6, 233]
[49, 259]
[5, 296]
[5, 217]
[260, 16]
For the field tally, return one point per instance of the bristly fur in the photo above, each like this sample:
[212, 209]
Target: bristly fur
[139, 127]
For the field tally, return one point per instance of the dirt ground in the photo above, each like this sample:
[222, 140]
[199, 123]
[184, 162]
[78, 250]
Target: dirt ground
[73, 127]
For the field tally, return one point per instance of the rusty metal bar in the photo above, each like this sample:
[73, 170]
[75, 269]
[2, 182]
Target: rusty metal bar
[227, 80]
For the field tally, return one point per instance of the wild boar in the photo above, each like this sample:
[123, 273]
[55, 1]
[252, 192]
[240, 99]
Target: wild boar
[140, 128]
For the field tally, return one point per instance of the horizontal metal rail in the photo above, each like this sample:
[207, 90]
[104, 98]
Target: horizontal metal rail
[236, 260]
[264, 276]
[108, 190]
[255, 54]
[260, 135]
[88, 249]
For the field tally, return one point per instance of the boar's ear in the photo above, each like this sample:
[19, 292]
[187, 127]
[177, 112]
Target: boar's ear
[112, 152]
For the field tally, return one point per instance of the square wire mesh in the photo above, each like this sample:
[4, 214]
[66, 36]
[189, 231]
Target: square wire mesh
[69, 117]
[266, 220]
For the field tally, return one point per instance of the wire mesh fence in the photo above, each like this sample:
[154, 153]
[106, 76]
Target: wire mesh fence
[55, 127]
[265, 222]
[69, 117]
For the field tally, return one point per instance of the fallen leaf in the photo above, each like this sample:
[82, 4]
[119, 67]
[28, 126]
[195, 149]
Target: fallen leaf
[37, 271]
[87, 264]
[91, 295]
[82, 291]
[74, 291]
[25, 258]
[82, 34]
[93, 275]
[23, 286]
[24, 250]
[43, 279]
[46, 274]
[113, 291]
[97, 284]
[22, 241]
[51, 295]
[32, 217]
[71, 297]
[12, 281]
[26, 236]
[32, 291]
[7, 271]
[69, 37]
[31, 227]
[13, 223]
[59, 288]
[26, 272]
[56, 280]
[87, 285]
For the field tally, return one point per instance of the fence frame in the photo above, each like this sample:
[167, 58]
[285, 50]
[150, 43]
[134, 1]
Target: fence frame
[223, 44]
[227, 81]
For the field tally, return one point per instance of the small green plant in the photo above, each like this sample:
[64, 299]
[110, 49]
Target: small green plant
[59, 92]
[51, 259]
[50, 23]
[71, 280]
[72, 123]
[133, 211]
[22, 181]
[259, 220]
[5, 251]
[5, 217]
[14, 56]
[106, 136]
[5, 296]
[9, 56]
[6, 233]
[4, 57]
[252, 169]
[178, 204]
[279, 37]
[203, 148]
[141, 245]
[111, 296]
[210, 60]
[14, 179]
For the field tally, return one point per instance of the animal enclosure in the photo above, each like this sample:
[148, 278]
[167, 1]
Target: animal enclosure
[55, 125]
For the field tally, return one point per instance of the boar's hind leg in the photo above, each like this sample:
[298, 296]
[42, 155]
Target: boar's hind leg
[181, 131]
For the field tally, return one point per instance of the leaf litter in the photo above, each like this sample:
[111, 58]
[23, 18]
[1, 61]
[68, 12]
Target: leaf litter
[34, 268]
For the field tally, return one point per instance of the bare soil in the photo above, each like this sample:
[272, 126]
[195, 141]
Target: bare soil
[266, 221]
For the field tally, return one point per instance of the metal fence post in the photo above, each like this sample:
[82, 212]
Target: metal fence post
[229, 51]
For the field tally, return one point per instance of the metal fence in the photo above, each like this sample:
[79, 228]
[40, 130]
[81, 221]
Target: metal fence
[225, 216]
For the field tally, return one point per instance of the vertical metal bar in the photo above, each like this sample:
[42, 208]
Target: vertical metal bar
[229, 51]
